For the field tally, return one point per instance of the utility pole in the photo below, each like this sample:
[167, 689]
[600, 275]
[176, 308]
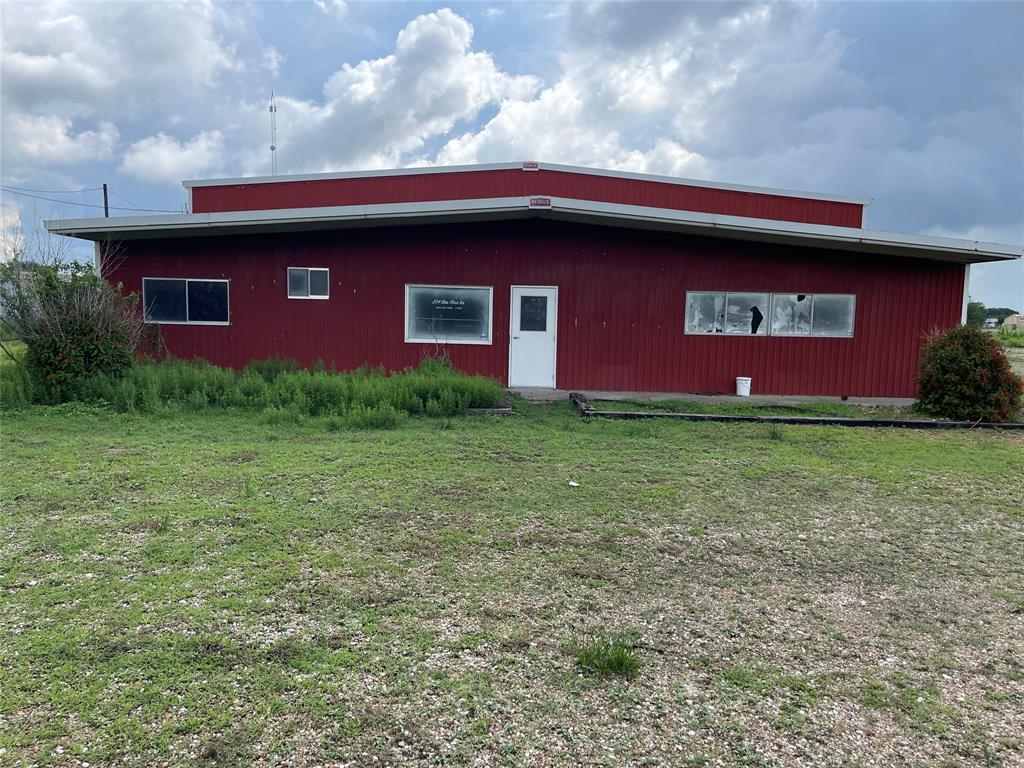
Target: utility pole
[106, 208]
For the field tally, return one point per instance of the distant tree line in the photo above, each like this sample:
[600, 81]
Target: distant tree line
[978, 312]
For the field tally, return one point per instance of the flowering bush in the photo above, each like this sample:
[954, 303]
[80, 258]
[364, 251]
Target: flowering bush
[964, 374]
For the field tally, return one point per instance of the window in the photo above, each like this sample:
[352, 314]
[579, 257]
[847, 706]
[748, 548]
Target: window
[745, 313]
[806, 314]
[533, 313]
[791, 314]
[309, 283]
[733, 313]
[448, 314]
[181, 300]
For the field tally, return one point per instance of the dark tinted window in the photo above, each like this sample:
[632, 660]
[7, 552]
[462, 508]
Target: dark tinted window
[298, 282]
[164, 300]
[207, 301]
[318, 282]
[449, 313]
[533, 313]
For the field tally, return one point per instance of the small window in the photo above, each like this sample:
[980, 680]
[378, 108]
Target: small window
[533, 313]
[705, 312]
[791, 314]
[833, 315]
[182, 300]
[309, 283]
[745, 313]
[447, 314]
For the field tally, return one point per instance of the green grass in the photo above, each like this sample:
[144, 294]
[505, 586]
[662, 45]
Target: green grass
[607, 655]
[216, 588]
[816, 409]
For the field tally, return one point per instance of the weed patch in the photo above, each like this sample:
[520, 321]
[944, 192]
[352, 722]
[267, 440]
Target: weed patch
[607, 655]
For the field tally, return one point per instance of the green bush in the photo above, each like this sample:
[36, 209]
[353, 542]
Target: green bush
[73, 323]
[358, 399]
[380, 417]
[964, 375]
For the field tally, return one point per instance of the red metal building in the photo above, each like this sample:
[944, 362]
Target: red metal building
[544, 275]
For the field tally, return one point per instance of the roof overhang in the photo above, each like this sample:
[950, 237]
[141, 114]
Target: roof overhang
[562, 209]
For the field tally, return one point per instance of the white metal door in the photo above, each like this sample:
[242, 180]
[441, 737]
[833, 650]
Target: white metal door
[532, 346]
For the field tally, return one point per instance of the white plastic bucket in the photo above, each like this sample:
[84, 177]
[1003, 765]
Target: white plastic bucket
[743, 386]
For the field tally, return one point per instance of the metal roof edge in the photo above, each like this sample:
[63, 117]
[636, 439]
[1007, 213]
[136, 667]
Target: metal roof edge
[582, 169]
[540, 205]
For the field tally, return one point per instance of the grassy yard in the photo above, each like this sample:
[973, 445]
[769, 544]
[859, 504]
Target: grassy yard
[214, 590]
[1016, 357]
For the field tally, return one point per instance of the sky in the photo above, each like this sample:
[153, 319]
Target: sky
[919, 106]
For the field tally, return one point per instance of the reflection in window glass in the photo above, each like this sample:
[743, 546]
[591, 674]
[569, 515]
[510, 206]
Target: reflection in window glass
[533, 313]
[298, 282]
[705, 312]
[184, 300]
[745, 313]
[437, 313]
[318, 282]
[207, 301]
[163, 301]
[833, 315]
[791, 314]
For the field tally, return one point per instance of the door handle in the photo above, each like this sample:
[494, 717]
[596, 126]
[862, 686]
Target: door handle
[515, 337]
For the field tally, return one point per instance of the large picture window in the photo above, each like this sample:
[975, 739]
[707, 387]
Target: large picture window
[448, 314]
[776, 314]
[183, 300]
[309, 283]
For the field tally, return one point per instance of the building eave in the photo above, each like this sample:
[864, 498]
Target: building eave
[564, 209]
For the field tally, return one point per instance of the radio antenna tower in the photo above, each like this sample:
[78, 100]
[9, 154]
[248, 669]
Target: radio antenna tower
[273, 135]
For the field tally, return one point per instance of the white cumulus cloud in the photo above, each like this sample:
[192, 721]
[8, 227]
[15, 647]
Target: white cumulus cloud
[51, 140]
[163, 158]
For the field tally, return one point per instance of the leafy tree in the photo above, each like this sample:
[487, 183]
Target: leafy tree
[976, 314]
[1000, 313]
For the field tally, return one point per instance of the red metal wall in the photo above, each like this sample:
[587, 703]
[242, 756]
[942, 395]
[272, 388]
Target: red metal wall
[621, 303]
[517, 183]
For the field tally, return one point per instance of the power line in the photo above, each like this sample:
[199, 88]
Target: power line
[14, 191]
[130, 202]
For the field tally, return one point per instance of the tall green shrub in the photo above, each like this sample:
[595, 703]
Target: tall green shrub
[73, 323]
[964, 375]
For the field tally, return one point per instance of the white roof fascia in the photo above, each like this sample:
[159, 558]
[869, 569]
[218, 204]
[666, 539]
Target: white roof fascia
[245, 180]
[770, 230]
[283, 216]
[789, 229]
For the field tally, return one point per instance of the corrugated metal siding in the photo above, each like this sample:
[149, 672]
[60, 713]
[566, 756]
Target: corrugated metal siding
[621, 303]
[516, 183]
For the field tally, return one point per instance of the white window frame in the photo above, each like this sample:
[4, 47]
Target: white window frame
[287, 283]
[490, 316]
[771, 309]
[186, 321]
